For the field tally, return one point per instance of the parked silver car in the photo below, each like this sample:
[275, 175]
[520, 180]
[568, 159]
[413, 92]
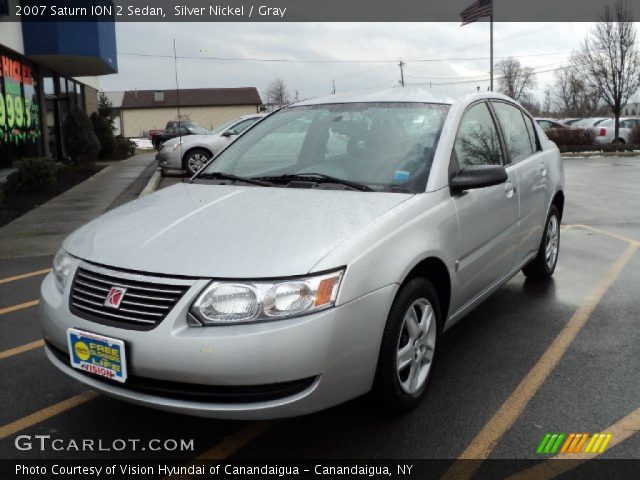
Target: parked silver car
[192, 152]
[318, 257]
[605, 131]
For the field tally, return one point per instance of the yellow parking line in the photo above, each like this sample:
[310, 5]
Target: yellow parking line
[22, 348]
[20, 306]
[486, 440]
[46, 413]
[24, 275]
[618, 236]
[551, 468]
[231, 444]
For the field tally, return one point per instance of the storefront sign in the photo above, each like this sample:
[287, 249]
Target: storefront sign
[19, 109]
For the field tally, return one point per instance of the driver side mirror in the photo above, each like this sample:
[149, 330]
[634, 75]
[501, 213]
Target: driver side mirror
[479, 176]
[229, 133]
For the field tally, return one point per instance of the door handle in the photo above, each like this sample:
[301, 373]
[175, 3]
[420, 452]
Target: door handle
[543, 170]
[509, 188]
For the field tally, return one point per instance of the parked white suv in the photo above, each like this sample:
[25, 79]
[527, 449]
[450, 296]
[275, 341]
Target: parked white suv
[318, 257]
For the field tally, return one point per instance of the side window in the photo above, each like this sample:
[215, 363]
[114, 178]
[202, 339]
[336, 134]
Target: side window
[544, 125]
[514, 128]
[240, 127]
[477, 142]
[532, 132]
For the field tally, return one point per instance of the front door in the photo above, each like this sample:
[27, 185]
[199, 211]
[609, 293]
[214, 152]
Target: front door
[487, 217]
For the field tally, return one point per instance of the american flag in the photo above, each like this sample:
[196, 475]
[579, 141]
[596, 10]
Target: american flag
[475, 11]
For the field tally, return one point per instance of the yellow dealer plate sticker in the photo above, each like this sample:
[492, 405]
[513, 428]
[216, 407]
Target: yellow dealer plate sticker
[97, 354]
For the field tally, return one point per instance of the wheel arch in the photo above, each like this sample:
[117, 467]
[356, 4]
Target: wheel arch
[191, 149]
[558, 201]
[436, 271]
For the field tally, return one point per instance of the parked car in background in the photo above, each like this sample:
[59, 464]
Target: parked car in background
[589, 122]
[570, 121]
[550, 124]
[181, 131]
[605, 131]
[288, 277]
[191, 153]
[170, 124]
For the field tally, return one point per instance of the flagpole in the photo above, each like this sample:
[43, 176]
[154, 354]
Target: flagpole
[491, 47]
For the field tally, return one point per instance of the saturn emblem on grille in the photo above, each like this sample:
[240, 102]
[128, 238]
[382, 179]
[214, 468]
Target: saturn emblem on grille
[114, 298]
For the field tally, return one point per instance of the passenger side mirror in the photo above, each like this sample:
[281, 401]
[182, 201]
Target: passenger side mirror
[479, 176]
[228, 133]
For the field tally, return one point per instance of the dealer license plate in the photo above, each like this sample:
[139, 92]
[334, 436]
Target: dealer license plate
[97, 354]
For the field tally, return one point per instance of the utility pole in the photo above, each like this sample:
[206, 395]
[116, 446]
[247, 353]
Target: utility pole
[333, 87]
[297, 98]
[401, 64]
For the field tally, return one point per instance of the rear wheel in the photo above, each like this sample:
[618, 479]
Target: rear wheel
[408, 349]
[543, 266]
[195, 159]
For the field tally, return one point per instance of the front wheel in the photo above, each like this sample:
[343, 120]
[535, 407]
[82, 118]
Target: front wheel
[195, 160]
[543, 266]
[408, 349]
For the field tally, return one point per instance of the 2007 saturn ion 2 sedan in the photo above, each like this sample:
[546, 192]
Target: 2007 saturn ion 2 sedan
[318, 257]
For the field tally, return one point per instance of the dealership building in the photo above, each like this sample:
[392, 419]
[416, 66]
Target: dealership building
[46, 69]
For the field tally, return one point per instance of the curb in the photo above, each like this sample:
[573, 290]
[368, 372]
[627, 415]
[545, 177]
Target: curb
[152, 184]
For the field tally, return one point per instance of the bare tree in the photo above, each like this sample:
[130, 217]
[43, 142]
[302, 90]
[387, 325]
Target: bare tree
[547, 106]
[515, 80]
[277, 92]
[576, 97]
[610, 59]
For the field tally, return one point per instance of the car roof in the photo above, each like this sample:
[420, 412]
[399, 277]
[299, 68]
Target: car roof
[404, 95]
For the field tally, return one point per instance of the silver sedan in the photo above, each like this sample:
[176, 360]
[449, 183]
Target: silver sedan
[319, 257]
[192, 152]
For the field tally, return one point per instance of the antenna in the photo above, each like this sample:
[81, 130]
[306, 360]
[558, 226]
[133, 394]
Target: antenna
[175, 65]
[401, 64]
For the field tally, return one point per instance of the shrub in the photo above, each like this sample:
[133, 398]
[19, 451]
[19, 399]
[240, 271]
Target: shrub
[124, 148]
[634, 138]
[571, 137]
[80, 143]
[33, 175]
[105, 136]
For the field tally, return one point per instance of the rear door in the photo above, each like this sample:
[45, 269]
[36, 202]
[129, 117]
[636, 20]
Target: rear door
[525, 156]
[487, 216]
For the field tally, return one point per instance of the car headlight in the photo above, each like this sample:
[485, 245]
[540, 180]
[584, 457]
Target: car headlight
[61, 268]
[227, 302]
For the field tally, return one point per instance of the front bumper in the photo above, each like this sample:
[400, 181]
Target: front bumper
[337, 349]
[168, 159]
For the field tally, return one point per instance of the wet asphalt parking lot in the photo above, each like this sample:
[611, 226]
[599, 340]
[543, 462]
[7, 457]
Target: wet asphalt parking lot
[535, 358]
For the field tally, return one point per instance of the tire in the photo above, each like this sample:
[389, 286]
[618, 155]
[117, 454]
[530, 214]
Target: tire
[543, 266]
[392, 386]
[195, 159]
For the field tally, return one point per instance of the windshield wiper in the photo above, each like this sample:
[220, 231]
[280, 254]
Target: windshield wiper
[320, 177]
[236, 178]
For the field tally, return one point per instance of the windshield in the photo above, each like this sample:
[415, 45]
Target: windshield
[607, 123]
[386, 146]
[196, 130]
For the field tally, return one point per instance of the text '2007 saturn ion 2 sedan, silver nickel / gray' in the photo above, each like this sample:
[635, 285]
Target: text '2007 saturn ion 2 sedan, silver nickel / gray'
[317, 258]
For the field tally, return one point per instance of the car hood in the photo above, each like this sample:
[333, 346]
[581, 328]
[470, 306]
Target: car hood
[229, 231]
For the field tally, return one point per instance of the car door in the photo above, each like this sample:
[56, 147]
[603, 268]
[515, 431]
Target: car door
[530, 164]
[487, 217]
[625, 129]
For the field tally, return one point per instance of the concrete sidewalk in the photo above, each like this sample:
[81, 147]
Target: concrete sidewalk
[41, 231]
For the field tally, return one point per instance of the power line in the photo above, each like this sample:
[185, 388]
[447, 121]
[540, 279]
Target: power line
[308, 60]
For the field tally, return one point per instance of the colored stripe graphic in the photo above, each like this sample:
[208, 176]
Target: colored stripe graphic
[574, 443]
[550, 443]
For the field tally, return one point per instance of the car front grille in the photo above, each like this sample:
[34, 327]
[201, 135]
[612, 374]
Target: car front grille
[145, 303]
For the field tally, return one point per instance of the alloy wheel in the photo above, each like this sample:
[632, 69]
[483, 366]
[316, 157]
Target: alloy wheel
[416, 346]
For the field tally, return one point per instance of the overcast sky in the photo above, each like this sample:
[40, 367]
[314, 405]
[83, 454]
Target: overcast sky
[460, 54]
